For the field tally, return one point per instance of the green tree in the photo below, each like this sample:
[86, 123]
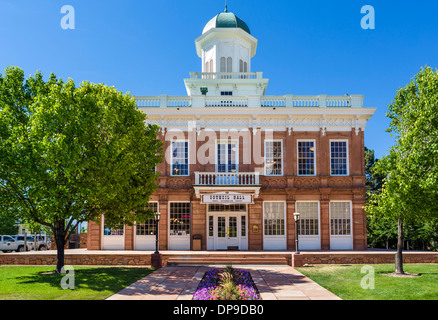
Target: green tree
[410, 189]
[69, 154]
[7, 224]
[374, 180]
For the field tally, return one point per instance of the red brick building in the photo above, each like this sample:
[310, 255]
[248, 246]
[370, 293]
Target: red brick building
[239, 163]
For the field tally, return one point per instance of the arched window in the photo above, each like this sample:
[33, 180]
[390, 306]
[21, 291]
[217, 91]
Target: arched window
[211, 65]
[240, 65]
[207, 66]
[229, 64]
[245, 67]
[223, 68]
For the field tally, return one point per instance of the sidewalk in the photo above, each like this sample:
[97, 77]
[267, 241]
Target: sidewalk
[179, 283]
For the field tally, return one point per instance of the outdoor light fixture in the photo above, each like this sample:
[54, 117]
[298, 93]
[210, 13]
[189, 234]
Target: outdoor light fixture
[297, 220]
[157, 219]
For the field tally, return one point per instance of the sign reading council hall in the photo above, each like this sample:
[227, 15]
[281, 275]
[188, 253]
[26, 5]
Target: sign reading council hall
[227, 198]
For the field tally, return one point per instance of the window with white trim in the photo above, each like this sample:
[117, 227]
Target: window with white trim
[340, 218]
[116, 231]
[306, 158]
[179, 218]
[180, 158]
[227, 156]
[309, 222]
[338, 158]
[273, 158]
[148, 228]
[274, 218]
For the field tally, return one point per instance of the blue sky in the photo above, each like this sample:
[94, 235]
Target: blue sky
[305, 47]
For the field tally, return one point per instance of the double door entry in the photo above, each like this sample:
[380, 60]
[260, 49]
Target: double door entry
[227, 231]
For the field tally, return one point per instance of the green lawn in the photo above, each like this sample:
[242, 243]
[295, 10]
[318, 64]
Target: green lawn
[91, 283]
[345, 281]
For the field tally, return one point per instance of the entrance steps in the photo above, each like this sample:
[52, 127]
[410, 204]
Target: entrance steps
[228, 259]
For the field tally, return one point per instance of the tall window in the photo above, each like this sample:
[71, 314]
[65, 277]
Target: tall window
[274, 218]
[207, 66]
[180, 158]
[340, 218]
[306, 158]
[309, 218]
[148, 228]
[223, 65]
[179, 219]
[229, 64]
[339, 158]
[273, 158]
[227, 156]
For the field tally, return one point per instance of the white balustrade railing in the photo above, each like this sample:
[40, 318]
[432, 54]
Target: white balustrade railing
[226, 101]
[148, 101]
[305, 101]
[338, 101]
[175, 101]
[225, 75]
[226, 178]
[254, 101]
[273, 101]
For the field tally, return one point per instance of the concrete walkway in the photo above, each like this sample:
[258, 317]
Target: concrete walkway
[179, 283]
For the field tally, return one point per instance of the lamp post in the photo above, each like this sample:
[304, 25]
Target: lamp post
[297, 220]
[157, 219]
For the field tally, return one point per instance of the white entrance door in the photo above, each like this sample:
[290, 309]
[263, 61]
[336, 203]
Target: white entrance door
[226, 232]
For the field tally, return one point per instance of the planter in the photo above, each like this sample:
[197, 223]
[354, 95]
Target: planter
[227, 284]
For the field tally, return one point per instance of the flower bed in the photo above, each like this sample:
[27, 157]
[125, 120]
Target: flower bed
[226, 284]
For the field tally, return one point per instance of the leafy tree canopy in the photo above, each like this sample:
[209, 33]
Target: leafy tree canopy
[71, 153]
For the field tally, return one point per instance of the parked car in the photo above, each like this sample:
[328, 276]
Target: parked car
[8, 244]
[42, 244]
[20, 241]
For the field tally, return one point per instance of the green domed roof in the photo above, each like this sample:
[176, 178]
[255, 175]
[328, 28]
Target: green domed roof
[226, 20]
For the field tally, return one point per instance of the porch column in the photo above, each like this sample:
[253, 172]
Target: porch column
[199, 222]
[255, 226]
[129, 237]
[94, 241]
[290, 223]
[163, 224]
[359, 225]
[325, 224]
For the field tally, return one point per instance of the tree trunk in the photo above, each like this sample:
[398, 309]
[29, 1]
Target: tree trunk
[59, 233]
[399, 254]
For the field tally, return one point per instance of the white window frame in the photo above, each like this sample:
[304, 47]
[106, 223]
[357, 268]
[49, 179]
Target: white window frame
[348, 157]
[319, 217]
[314, 158]
[171, 159]
[182, 240]
[135, 224]
[265, 158]
[111, 242]
[344, 241]
[149, 240]
[273, 239]
[226, 141]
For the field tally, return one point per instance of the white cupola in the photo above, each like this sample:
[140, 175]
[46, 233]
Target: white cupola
[226, 48]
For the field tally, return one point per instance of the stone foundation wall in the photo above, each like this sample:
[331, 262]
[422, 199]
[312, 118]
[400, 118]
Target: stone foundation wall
[76, 259]
[367, 258]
